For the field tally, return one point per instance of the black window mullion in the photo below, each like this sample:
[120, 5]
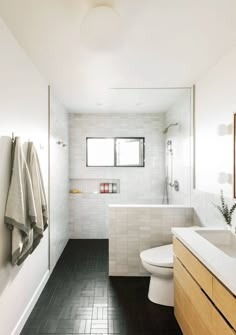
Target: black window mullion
[115, 158]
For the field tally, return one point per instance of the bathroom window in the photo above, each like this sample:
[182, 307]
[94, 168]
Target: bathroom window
[100, 152]
[115, 151]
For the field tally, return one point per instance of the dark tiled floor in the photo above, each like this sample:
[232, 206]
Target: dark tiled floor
[80, 298]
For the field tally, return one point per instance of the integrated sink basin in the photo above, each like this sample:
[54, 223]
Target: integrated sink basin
[224, 240]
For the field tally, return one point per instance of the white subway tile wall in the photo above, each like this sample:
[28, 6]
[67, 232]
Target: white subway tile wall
[180, 136]
[134, 229]
[88, 212]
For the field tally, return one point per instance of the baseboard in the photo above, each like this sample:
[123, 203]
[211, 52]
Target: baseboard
[20, 324]
[59, 255]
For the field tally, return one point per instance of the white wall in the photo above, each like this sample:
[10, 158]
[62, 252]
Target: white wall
[24, 111]
[59, 180]
[215, 105]
[180, 136]
[137, 185]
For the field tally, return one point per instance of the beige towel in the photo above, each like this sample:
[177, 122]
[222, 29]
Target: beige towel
[20, 214]
[39, 193]
[28, 247]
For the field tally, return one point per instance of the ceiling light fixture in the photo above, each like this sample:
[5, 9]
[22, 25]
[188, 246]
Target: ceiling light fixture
[101, 28]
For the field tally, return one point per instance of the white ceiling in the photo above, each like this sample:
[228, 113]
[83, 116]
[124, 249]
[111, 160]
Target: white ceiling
[152, 43]
[133, 100]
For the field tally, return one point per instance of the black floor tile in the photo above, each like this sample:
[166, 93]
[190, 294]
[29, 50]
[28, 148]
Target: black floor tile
[81, 299]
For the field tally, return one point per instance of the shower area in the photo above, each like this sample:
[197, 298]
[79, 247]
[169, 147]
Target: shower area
[168, 182]
[177, 151]
[160, 116]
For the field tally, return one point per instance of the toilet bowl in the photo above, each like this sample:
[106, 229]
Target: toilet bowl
[159, 263]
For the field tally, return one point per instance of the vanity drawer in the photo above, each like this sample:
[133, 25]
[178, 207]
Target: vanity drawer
[193, 310]
[225, 301]
[194, 266]
[221, 327]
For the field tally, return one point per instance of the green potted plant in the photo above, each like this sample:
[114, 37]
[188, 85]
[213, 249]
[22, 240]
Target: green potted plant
[225, 210]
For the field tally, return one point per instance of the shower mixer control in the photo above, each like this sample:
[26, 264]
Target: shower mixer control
[175, 185]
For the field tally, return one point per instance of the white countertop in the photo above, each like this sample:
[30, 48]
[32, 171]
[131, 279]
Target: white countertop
[220, 264]
[147, 206]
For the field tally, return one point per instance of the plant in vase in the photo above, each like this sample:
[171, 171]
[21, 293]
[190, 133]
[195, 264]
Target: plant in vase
[225, 210]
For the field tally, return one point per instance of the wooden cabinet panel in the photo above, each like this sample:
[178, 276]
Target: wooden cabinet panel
[199, 272]
[197, 312]
[221, 327]
[193, 310]
[225, 301]
[180, 316]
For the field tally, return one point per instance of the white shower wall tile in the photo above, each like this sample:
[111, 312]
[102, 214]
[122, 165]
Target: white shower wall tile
[180, 137]
[88, 212]
[142, 228]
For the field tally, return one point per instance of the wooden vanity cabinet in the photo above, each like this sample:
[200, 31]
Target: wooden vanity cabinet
[202, 305]
[225, 301]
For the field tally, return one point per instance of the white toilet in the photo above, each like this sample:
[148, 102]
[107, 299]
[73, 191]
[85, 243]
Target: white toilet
[159, 263]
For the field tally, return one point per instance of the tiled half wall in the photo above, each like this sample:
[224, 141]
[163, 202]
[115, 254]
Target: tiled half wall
[134, 228]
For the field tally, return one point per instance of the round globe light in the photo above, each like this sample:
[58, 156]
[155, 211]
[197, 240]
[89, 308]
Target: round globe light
[101, 28]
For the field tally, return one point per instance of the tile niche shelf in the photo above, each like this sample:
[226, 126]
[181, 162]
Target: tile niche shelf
[92, 185]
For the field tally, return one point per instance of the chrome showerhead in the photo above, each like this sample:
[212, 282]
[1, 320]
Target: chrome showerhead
[170, 125]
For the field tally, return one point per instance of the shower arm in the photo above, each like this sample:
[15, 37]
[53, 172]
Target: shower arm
[170, 125]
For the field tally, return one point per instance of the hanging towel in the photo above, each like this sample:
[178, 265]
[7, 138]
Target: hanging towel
[28, 246]
[20, 214]
[39, 194]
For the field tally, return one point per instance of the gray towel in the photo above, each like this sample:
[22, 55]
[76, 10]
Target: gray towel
[20, 214]
[39, 194]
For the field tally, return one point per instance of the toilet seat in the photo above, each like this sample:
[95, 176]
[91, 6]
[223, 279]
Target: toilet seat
[159, 256]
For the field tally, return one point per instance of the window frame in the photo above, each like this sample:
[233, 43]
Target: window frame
[115, 152]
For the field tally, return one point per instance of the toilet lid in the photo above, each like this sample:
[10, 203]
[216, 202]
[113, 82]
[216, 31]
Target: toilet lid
[159, 256]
